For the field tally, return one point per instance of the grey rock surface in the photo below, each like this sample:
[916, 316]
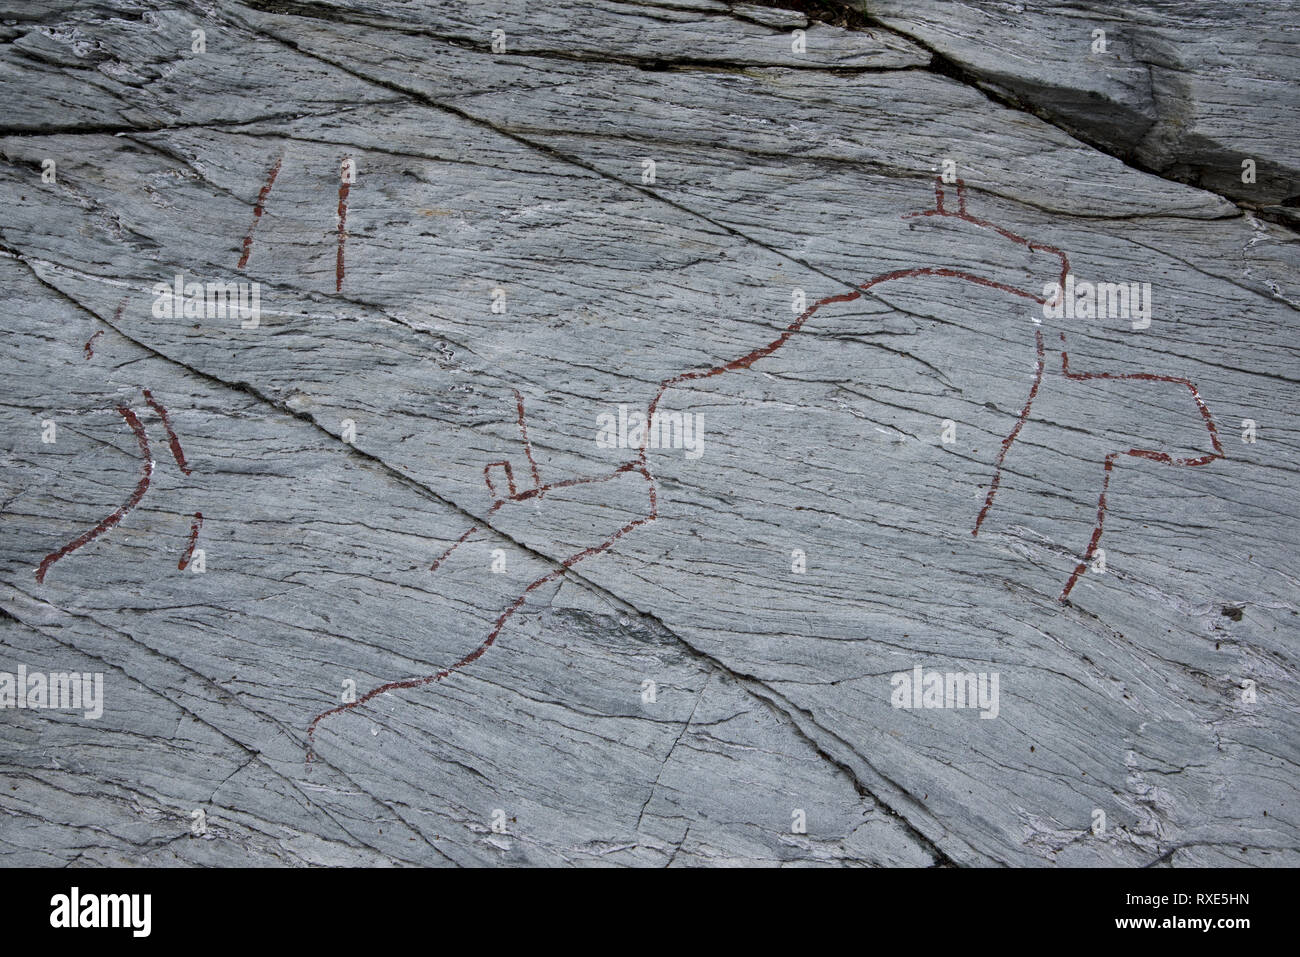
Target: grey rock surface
[1188, 89]
[396, 650]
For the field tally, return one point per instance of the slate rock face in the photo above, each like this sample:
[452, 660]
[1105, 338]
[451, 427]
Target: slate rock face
[385, 568]
[1189, 90]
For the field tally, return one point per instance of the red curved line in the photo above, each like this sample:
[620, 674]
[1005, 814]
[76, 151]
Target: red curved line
[487, 477]
[88, 348]
[567, 483]
[474, 655]
[750, 358]
[194, 537]
[177, 452]
[141, 487]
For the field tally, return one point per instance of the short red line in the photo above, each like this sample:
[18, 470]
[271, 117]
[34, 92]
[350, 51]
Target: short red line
[528, 446]
[177, 452]
[1011, 437]
[141, 487]
[1080, 568]
[569, 483]
[447, 554]
[258, 209]
[343, 231]
[89, 346]
[194, 537]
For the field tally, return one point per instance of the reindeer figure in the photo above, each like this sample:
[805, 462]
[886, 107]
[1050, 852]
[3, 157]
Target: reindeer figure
[637, 471]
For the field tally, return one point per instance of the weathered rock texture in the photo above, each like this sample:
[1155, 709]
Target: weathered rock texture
[1188, 89]
[502, 271]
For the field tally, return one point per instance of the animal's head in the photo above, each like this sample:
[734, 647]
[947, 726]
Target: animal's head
[984, 252]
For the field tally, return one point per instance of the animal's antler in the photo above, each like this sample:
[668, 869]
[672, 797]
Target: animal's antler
[939, 208]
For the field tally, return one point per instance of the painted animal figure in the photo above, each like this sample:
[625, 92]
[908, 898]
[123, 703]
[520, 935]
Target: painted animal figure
[505, 491]
[111, 521]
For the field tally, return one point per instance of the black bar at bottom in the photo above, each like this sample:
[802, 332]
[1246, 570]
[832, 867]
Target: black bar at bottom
[347, 908]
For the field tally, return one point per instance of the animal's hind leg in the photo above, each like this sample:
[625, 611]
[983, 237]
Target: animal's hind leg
[1082, 567]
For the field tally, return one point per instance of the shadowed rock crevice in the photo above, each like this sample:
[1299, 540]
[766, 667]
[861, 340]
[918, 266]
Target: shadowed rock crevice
[1184, 91]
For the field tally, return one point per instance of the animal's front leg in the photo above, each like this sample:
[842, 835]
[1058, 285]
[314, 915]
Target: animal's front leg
[996, 480]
